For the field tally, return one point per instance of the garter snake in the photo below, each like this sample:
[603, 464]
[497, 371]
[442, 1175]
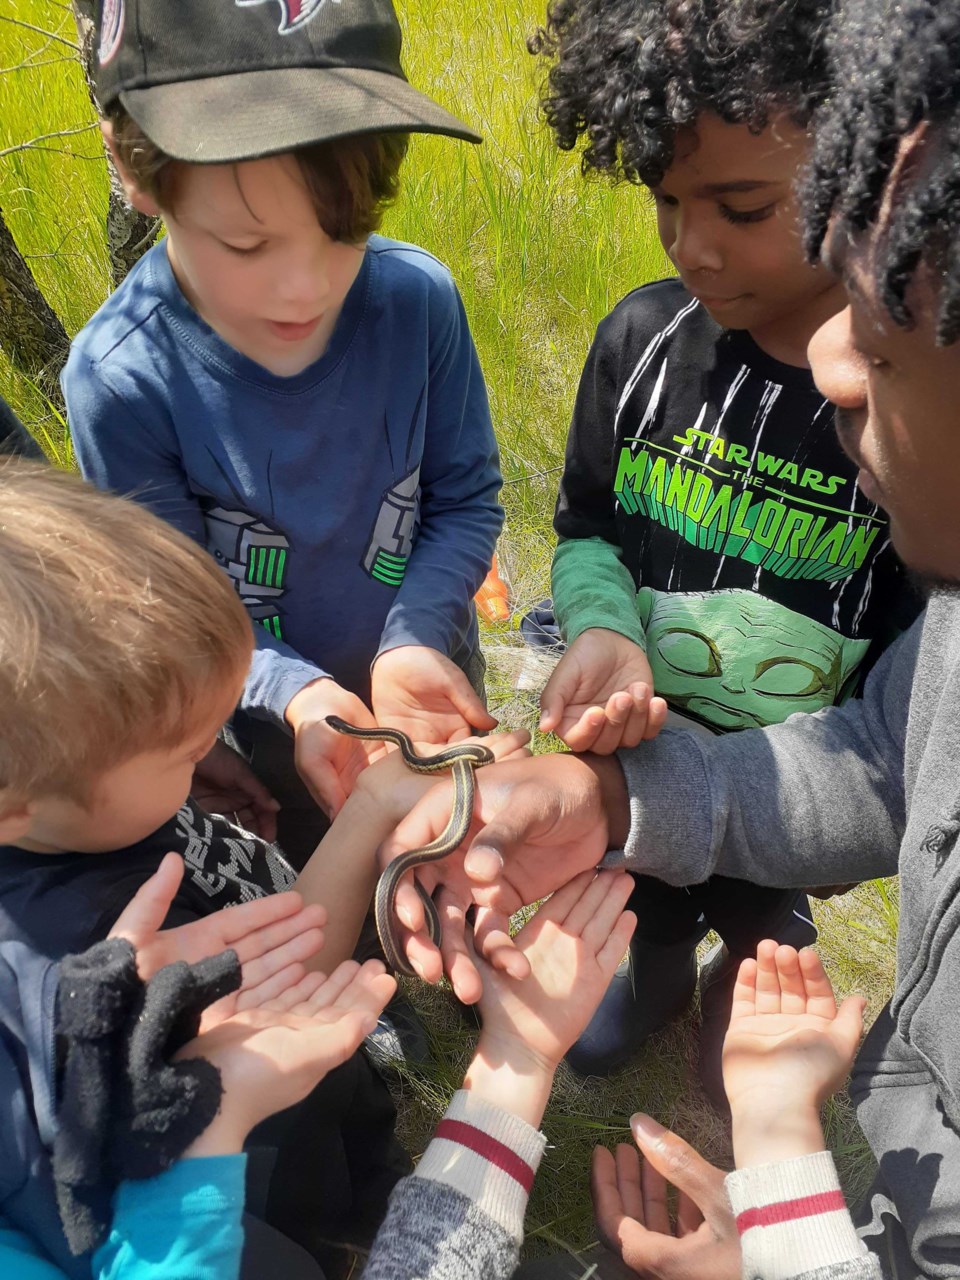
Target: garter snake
[461, 761]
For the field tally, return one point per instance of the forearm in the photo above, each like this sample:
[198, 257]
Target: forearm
[342, 875]
[449, 561]
[593, 588]
[277, 673]
[819, 798]
[793, 1221]
[500, 1077]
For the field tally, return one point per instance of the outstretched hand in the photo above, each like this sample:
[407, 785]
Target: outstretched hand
[272, 1055]
[788, 1047]
[425, 695]
[600, 695]
[571, 948]
[271, 936]
[632, 1214]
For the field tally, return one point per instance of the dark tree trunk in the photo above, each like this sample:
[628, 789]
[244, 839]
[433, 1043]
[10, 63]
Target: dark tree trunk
[129, 233]
[31, 335]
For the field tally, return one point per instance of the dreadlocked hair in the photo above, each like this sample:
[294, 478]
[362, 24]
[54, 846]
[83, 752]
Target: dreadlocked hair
[627, 74]
[896, 65]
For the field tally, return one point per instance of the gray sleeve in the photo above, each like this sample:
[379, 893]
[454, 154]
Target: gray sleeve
[817, 799]
[865, 1268]
[432, 1232]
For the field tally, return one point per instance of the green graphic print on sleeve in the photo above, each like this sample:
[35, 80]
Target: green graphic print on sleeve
[766, 579]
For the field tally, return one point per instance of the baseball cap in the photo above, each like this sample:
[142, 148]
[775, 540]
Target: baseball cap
[211, 81]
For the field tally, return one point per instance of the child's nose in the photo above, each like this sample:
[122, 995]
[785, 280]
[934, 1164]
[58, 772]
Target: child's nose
[838, 368]
[306, 278]
[694, 249]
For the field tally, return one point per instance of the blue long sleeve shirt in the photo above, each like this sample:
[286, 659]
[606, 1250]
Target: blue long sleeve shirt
[353, 504]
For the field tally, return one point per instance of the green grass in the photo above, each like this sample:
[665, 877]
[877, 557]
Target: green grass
[540, 256]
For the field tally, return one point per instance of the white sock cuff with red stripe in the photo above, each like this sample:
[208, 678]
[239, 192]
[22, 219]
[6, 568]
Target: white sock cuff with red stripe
[792, 1217]
[488, 1155]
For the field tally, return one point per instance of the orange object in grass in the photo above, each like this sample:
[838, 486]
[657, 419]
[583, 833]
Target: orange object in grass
[492, 600]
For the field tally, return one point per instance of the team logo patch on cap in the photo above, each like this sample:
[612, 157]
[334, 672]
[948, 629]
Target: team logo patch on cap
[111, 29]
[294, 13]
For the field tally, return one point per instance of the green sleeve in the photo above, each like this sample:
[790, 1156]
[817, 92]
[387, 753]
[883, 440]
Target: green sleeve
[592, 588]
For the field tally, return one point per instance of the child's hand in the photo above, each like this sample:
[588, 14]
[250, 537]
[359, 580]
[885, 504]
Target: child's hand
[329, 762]
[600, 695]
[425, 695]
[573, 945]
[787, 1038]
[271, 1056]
[788, 1048]
[224, 783]
[272, 937]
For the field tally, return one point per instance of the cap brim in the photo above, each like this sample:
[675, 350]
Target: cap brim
[262, 113]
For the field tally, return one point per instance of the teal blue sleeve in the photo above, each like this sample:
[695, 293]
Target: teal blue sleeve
[183, 1225]
[593, 588]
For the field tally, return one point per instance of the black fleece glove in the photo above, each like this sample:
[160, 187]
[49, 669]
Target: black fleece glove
[126, 1110]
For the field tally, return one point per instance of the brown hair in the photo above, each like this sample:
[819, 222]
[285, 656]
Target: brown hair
[117, 633]
[351, 180]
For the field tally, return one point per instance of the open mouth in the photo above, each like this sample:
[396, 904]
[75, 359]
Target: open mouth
[294, 331]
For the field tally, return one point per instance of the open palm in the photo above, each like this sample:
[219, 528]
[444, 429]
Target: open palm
[787, 1035]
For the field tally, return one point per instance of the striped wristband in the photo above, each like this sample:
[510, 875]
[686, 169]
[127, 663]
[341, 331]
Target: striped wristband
[792, 1217]
[488, 1155]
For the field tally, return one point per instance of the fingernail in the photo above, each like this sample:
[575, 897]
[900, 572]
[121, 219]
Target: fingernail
[646, 1129]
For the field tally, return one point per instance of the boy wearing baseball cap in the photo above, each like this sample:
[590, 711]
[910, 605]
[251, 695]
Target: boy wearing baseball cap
[299, 394]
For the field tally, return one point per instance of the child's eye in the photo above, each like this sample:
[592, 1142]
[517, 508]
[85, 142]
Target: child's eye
[243, 250]
[740, 216]
[661, 198]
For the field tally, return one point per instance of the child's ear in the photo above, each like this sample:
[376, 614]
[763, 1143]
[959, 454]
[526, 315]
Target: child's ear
[16, 817]
[140, 199]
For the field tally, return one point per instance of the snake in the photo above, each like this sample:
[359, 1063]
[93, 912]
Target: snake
[461, 759]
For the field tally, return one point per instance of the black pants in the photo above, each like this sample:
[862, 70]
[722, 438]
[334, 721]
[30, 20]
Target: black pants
[742, 913]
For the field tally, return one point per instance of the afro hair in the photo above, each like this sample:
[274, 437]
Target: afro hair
[627, 74]
[896, 67]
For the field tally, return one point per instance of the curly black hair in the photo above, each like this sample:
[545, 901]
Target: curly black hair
[896, 66]
[628, 74]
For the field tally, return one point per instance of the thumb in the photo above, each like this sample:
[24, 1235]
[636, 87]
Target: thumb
[146, 911]
[323, 783]
[468, 702]
[849, 1020]
[677, 1161]
[557, 692]
[487, 856]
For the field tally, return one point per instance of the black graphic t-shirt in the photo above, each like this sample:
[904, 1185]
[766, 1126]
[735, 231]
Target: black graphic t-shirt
[765, 579]
[62, 903]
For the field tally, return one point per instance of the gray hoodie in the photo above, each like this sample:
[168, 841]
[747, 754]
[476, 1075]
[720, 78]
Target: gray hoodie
[853, 792]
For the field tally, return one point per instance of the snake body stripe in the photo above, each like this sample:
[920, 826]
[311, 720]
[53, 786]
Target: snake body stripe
[461, 761]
